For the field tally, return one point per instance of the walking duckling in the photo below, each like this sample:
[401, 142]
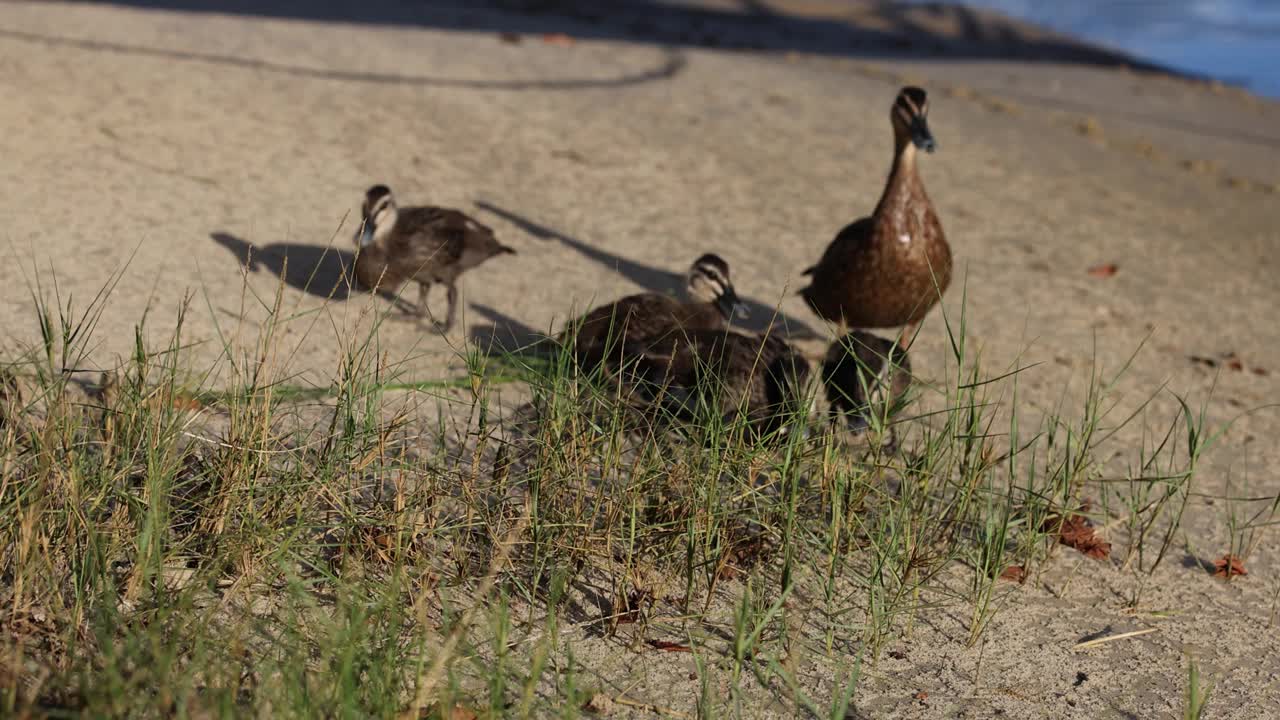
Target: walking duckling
[866, 378]
[711, 304]
[759, 379]
[888, 270]
[423, 244]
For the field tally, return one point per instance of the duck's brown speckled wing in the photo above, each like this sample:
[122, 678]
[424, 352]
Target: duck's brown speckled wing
[876, 275]
[851, 240]
[846, 258]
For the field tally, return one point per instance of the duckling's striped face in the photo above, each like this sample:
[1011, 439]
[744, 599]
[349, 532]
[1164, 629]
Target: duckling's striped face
[910, 118]
[709, 282]
[378, 215]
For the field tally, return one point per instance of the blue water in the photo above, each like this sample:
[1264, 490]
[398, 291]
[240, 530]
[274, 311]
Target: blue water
[1236, 41]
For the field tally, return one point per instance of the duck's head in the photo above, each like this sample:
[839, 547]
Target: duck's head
[377, 215]
[709, 282]
[910, 119]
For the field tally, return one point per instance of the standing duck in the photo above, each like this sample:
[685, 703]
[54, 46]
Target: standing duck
[712, 302]
[866, 378]
[757, 378]
[888, 270]
[423, 244]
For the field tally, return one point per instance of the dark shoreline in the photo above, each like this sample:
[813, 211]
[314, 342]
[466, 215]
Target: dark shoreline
[873, 31]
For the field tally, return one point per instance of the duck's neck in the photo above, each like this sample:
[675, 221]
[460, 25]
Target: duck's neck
[898, 189]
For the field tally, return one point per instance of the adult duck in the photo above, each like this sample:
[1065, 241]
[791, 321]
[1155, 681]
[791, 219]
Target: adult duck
[889, 269]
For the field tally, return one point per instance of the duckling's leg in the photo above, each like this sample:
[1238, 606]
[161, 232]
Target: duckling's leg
[451, 312]
[423, 289]
[424, 311]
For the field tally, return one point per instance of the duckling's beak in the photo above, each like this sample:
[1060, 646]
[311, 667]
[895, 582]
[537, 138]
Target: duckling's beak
[366, 234]
[730, 305]
[920, 135]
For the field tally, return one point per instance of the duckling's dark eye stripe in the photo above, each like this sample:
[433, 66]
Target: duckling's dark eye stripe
[907, 104]
[905, 115]
[715, 277]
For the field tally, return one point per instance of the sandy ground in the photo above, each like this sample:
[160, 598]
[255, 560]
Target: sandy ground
[164, 142]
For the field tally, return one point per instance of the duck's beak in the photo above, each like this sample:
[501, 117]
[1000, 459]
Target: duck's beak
[366, 234]
[920, 135]
[730, 305]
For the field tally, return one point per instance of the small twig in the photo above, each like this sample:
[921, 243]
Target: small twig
[1112, 638]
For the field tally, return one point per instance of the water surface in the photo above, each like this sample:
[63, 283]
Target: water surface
[1236, 41]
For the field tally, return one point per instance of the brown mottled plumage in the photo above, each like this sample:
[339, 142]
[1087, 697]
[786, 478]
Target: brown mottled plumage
[423, 244]
[865, 377]
[711, 303]
[759, 379]
[888, 270]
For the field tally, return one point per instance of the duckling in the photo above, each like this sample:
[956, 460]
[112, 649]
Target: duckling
[758, 378]
[866, 377]
[712, 303]
[888, 270]
[423, 244]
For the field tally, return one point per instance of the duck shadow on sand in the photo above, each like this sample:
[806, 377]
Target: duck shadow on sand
[323, 272]
[501, 334]
[761, 316]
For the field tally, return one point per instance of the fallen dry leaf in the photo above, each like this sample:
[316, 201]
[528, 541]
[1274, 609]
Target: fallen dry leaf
[666, 646]
[1105, 270]
[558, 39]
[1233, 362]
[1229, 566]
[1076, 532]
[1014, 573]
[510, 38]
[744, 549]
[921, 695]
[633, 607]
[1261, 372]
